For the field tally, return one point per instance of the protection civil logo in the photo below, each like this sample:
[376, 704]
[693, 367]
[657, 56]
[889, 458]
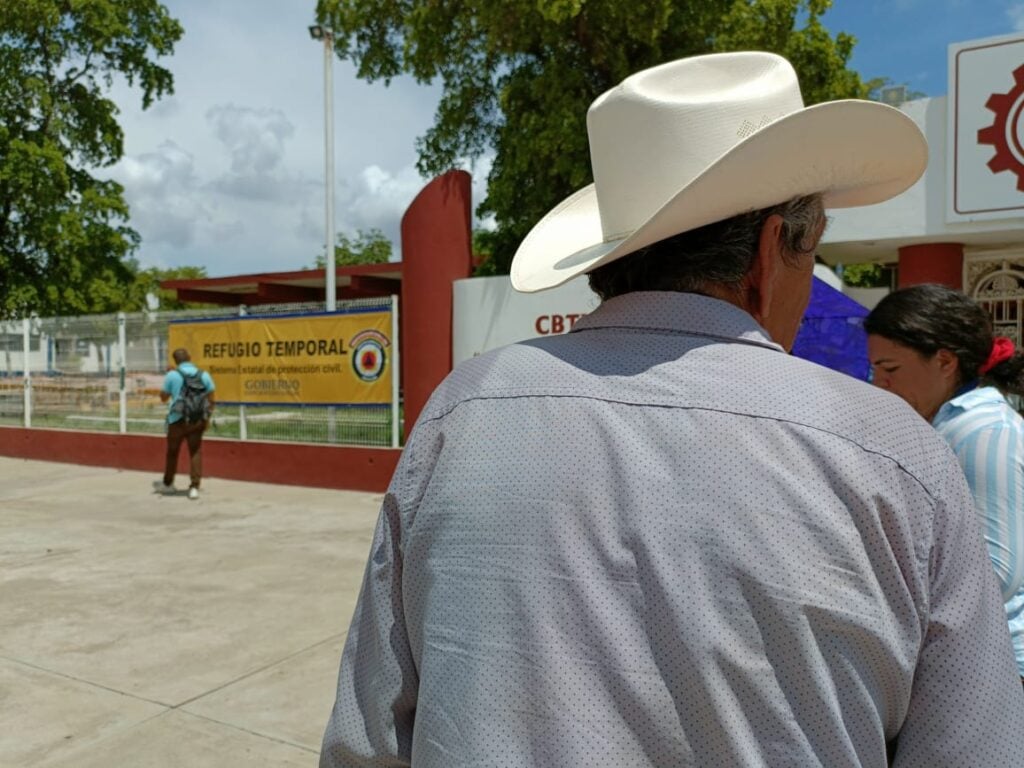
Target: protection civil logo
[368, 354]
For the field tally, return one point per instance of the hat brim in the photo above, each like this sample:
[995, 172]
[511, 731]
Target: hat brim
[855, 152]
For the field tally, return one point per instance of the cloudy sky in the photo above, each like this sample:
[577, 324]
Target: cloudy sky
[228, 173]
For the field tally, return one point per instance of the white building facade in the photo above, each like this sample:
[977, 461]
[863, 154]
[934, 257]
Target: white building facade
[962, 224]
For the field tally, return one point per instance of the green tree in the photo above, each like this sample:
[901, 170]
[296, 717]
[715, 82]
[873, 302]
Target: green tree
[105, 295]
[483, 252]
[147, 282]
[367, 247]
[868, 275]
[65, 244]
[879, 84]
[518, 75]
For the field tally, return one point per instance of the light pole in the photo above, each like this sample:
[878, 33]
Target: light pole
[318, 32]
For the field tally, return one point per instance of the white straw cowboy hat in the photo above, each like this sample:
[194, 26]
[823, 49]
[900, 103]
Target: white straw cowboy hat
[698, 140]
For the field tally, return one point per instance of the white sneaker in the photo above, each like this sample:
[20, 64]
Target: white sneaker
[159, 487]
[193, 493]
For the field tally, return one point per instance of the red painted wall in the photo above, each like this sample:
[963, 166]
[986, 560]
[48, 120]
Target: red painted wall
[941, 263]
[436, 250]
[318, 466]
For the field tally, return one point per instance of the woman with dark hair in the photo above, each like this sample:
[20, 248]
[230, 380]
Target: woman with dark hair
[934, 347]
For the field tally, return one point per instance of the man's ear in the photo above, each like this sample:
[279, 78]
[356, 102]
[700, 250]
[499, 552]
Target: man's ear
[764, 270]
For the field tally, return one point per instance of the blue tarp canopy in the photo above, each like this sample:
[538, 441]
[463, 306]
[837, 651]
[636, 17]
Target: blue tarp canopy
[832, 332]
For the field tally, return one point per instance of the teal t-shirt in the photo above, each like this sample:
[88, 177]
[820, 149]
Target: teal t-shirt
[175, 380]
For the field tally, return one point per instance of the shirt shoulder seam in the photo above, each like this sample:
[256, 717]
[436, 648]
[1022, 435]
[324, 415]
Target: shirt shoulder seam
[553, 392]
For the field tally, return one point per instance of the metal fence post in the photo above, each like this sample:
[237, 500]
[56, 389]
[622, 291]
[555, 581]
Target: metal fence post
[26, 331]
[243, 428]
[122, 394]
[396, 372]
[332, 427]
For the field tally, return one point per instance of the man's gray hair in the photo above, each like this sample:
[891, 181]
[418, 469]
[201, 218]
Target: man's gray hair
[717, 254]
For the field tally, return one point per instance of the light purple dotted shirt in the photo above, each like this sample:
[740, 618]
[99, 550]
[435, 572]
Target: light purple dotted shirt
[660, 541]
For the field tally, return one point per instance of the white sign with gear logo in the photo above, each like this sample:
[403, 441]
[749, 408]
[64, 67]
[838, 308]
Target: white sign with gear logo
[986, 129]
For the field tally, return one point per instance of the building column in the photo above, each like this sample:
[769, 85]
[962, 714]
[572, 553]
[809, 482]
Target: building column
[941, 263]
[436, 250]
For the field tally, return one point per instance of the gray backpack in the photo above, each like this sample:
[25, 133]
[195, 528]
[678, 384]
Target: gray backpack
[193, 403]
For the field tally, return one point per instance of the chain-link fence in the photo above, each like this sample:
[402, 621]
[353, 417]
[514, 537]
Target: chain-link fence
[68, 373]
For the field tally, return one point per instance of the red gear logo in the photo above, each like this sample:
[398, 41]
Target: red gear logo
[1005, 132]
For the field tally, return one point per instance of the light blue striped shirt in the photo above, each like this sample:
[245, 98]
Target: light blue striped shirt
[987, 435]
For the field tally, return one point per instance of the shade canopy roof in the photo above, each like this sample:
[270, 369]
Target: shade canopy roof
[355, 282]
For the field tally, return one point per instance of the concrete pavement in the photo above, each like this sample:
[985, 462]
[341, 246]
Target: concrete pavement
[144, 630]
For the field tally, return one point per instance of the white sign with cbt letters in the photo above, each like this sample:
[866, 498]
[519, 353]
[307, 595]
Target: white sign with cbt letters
[488, 313]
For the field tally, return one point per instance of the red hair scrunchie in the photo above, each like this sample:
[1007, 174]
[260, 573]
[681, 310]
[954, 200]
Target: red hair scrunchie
[1002, 350]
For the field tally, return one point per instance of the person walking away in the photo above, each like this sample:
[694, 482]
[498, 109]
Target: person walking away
[659, 540]
[190, 394]
[934, 347]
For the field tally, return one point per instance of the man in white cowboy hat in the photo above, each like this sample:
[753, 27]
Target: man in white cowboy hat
[659, 539]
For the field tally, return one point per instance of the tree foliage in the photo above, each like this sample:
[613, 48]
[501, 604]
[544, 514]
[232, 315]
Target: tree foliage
[147, 283]
[877, 86]
[868, 275]
[483, 252]
[366, 247]
[65, 244]
[518, 75]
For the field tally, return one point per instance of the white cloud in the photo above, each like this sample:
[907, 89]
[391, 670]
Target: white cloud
[228, 173]
[160, 188]
[156, 173]
[311, 225]
[378, 198]
[1015, 15]
[255, 140]
[254, 137]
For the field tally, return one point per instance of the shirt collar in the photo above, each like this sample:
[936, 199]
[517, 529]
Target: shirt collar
[966, 401]
[675, 312]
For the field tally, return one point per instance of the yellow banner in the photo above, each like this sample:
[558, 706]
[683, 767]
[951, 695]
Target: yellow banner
[336, 359]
